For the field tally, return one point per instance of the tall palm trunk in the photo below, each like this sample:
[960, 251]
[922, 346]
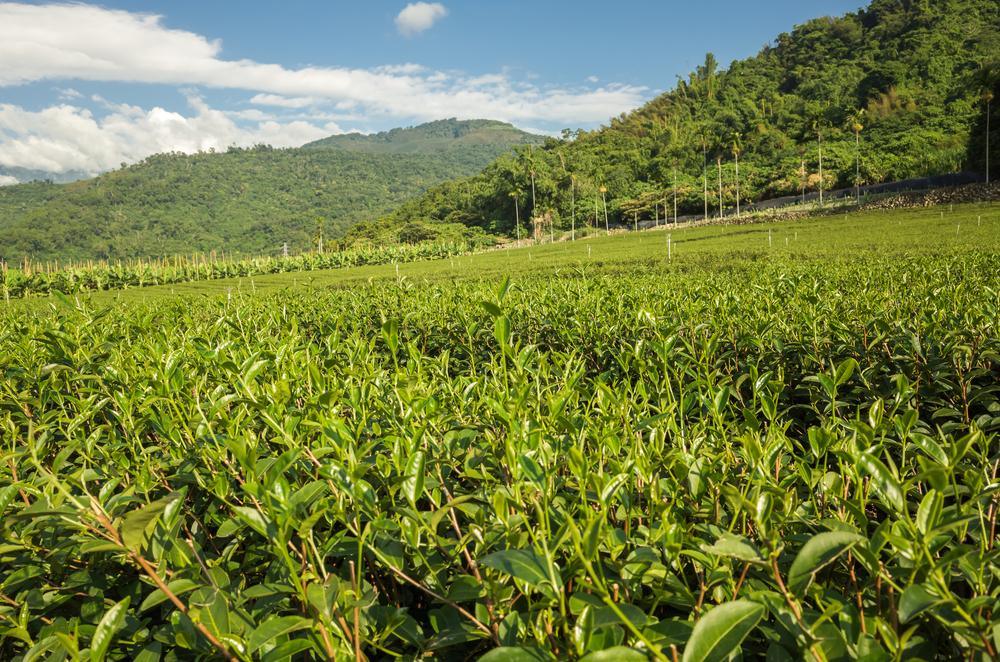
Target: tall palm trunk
[604, 199]
[802, 171]
[704, 175]
[675, 196]
[572, 197]
[737, 154]
[857, 166]
[517, 219]
[819, 134]
[718, 161]
[989, 101]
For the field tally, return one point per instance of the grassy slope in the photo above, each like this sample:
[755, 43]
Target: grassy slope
[708, 248]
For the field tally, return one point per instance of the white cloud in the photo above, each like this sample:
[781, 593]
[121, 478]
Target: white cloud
[73, 41]
[7, 180]
[419, 16]
[282, 102]
[65, 137]
[252, 114]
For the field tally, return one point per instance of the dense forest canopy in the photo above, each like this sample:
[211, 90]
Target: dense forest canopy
[892, 91]
[244, 200]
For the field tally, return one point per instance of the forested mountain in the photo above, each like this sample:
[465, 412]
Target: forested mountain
[442, 136]
[243, 200]
[899, 84]
[8, 173]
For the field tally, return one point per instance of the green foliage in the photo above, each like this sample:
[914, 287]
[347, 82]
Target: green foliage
[89, 277]
[243, 201]
[910, 74]
[445, 465]
[463, 138]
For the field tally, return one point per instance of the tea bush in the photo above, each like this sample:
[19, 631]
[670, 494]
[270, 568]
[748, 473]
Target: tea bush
[784, 458]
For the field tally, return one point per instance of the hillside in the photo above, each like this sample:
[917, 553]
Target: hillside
[9, 173]
[441, 136]
[909, 75]
[243, 200]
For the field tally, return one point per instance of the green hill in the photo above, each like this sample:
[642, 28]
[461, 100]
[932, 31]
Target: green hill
[29, 175]
[442, 136]
[243, 200]
[911, 75]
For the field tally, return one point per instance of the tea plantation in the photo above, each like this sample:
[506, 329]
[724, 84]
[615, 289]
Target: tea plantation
[780, 441]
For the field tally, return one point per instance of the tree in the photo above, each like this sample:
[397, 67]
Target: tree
[988, 98]
[718, 162]
[819, 136]
[604, 199]
[517, 214]
[736, 154]
[675, 193]
[704, 170]
[857, 126]
[318, 236]
[572, 194]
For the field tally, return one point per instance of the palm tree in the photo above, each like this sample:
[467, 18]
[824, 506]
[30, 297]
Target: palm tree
[802, 179]
[604, 190]
[857, 126]
[718, 162]
[988, 98]
[532, 191]
[517, 214]
[819, 136]
[704, 171]
[675, 193]
[736, 153]
[572, 203]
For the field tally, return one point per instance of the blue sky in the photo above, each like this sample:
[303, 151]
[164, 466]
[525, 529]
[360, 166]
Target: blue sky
[88, 86]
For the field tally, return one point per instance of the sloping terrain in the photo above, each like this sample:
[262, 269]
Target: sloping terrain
[242, 200]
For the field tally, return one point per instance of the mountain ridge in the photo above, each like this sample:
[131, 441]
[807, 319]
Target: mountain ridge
[243, 200]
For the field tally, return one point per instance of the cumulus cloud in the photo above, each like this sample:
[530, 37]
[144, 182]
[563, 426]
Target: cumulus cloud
[67, 137]
[71, 41]
[7, 180]
[419, 16]
[282, 102]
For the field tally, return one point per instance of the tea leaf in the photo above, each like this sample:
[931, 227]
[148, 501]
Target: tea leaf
[721, 630]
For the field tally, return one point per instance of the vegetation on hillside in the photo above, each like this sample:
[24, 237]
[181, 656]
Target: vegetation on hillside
[250, 200]
[782, 449]
[889, 92]
[40, 280]
[466, 137]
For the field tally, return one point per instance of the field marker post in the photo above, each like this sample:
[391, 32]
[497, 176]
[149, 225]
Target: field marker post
[669, 248]
[769, 239]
